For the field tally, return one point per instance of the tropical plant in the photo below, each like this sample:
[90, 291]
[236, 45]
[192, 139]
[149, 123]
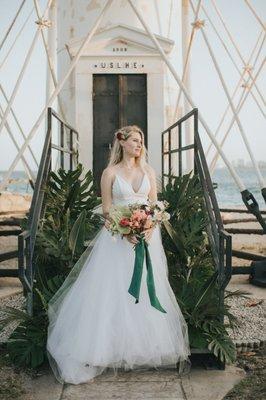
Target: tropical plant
[69, 222]
[184, 235]
[192, 273]
[26, 345]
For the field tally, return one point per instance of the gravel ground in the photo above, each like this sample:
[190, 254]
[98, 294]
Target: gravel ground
[253, 386]
[251, 315]
[17, 301]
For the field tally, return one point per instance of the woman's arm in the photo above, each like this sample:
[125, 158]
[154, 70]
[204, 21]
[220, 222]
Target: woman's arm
[153, 191]
[152, 197]
[106, 191]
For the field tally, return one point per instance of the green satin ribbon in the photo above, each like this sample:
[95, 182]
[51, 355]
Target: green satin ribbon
[141, 251]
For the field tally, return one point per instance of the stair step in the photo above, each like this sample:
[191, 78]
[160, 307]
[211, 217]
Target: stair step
[11, 222]
[10, 232]
[5, 272]
[8, 255]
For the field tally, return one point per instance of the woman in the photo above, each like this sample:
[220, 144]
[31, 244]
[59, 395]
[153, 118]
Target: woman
[94, 323]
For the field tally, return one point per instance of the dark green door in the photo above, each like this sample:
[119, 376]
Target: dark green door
[118, 100]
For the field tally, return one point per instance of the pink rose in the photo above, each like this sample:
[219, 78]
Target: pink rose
[124, 222]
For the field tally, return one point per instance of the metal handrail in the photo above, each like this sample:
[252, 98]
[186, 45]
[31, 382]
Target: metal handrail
[219, 240]
[26, 240]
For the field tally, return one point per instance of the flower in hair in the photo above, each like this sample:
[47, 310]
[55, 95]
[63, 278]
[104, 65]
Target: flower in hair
[120, 135]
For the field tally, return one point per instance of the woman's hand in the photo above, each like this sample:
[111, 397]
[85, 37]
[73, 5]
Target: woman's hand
[107, 220]
[106, 223]
[147, 233]
[132, 239]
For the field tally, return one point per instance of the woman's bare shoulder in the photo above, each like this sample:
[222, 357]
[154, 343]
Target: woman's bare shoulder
[109, 172]
[150, 170]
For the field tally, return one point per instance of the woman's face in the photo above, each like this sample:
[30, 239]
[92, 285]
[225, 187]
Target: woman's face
[133, 145]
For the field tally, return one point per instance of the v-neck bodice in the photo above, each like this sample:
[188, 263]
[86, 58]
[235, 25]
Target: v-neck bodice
[130, 184]
[123, 192]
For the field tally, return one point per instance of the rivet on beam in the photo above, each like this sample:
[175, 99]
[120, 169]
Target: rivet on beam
[248, 68]
[198, 24]
[43, 23]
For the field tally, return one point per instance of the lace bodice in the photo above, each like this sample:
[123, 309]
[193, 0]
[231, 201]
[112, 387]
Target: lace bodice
[123, 192]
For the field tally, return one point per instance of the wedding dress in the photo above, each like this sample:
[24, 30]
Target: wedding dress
[94, 322]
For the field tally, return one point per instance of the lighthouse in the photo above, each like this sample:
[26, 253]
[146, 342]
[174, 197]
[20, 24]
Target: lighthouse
[120, 78]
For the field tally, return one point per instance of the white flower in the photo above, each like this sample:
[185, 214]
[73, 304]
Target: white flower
[166, 216]
[160, 204]
[158, 216]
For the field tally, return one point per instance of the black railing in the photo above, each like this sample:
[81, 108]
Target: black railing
[219, 240]
[26, 240]
[13, 230]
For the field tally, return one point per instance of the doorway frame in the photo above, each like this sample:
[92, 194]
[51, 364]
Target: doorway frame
[118, 112]
[83, 83]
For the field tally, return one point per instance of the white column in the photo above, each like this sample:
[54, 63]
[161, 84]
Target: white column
[187, 107]
[51, 40]
[51, 45]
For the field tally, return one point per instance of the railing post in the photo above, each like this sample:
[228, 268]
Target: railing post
[169, 154]
[195, 127]
[61, 145]
[26, 240]
[219, 240]
[71, 149]
[180, 153]
[162, 145]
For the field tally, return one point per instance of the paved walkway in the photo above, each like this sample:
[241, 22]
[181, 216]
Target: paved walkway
[241, 282]
[140, 385]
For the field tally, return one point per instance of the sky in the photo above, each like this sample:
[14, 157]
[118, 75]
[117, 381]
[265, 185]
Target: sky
[206, 89]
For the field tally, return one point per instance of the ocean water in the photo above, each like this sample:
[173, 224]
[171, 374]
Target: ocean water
[227, 192]
[22, 186]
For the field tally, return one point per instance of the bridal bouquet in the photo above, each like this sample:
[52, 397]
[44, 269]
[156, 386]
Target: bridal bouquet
[134, 219]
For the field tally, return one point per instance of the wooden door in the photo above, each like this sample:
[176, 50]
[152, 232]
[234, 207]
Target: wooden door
[118, 100]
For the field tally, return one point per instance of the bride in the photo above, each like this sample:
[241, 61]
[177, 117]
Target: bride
[94, 322]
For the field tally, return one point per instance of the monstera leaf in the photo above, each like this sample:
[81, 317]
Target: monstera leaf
[77, 234]
[192, 271]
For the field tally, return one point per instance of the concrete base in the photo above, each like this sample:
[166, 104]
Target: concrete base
[137, 385]
[45, 387]
[211, 385]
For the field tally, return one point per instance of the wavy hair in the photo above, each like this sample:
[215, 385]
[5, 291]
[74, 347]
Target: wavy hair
[116, 154]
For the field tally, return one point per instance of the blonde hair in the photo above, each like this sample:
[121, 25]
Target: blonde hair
[116, 154]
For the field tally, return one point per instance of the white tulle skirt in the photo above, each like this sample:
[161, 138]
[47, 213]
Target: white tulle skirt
[95, 324]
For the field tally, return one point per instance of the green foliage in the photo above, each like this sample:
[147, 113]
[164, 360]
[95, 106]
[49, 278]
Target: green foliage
[192, 272]
[184, 236]
[26, 345]
[27, 342]
[69, 221]
[223, 348]
[47, 289]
